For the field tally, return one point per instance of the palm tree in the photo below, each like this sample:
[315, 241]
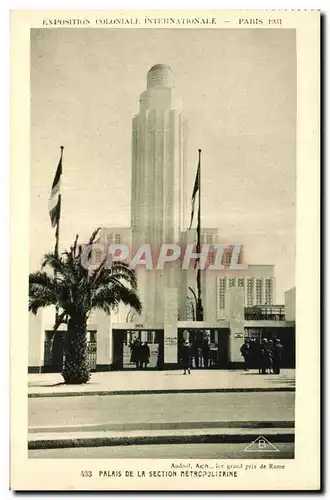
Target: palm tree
[76, 291]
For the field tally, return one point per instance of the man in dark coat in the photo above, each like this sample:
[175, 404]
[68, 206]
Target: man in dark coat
[253, 353]
[145, 354]
[206, 351]
[277, 356]
[136, 353]
[264, 357]
[245, 351]
[186, 357]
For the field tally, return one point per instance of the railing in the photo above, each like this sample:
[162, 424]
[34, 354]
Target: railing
[58, 362]
[268, 317]
[268, 314]
[91, 355]
[48, 351]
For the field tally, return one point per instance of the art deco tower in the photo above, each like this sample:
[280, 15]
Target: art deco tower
[158, 179]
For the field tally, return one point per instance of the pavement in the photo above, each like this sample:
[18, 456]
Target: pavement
[162, 382]
[149, 419]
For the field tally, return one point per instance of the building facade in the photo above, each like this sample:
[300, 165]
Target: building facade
[158, 215]
[257, 282]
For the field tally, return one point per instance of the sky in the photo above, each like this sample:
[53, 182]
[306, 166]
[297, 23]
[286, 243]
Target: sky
[238, 91]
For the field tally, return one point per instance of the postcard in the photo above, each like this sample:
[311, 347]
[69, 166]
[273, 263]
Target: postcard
[165, 213]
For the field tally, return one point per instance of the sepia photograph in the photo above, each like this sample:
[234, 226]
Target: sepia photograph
[175, 155]
[168, 194]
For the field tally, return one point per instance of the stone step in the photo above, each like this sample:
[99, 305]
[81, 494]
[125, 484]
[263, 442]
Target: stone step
[168, 425]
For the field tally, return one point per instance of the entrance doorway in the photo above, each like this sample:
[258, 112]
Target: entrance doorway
[138, 349]
[210, 347]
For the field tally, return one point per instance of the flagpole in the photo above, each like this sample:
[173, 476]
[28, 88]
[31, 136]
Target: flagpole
[57, 233]
[199, 312]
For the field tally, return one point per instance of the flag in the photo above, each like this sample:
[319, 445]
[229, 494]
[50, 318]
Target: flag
[198, 249]
[54, 203]
[194, 194]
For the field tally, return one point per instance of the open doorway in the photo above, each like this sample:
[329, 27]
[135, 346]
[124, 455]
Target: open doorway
[138, 349]
[210, 347]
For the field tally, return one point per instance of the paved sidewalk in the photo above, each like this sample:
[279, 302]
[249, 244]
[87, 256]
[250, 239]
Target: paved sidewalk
[141, 382]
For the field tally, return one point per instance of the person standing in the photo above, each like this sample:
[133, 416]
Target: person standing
[277, 356]
[270, 349]
[186, 357]
[245, 351]
[145, 355]
[264, 358]
[253, 353]
[136, 353]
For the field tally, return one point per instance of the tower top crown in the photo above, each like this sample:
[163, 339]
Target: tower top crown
[160, 76]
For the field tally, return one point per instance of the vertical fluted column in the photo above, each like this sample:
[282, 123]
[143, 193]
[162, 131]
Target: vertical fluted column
[158, 184]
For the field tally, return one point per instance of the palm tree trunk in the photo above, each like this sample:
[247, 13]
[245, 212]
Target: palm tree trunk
[76, 369]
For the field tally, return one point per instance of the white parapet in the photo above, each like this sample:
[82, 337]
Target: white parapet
[36, 341]
[104, 338]
[290, 304]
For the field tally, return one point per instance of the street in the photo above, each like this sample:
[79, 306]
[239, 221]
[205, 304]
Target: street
[170, 451]
[157, 408]
[172, 414]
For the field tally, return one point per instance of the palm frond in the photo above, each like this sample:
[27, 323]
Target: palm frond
[111, 296]
[76, 290]
[42, 279]
[42, 291]
[52, 260]
[93, 237]
[74, 248]
[118, 270]
[36, 304]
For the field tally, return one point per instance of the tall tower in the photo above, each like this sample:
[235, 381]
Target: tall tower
[158, 181]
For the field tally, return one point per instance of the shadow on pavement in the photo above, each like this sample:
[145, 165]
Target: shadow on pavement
[40, 384]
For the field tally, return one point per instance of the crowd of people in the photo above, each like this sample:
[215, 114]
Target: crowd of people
[262, 354]
[198, 353]
[201, 353]
[140, 353]
[265, 355]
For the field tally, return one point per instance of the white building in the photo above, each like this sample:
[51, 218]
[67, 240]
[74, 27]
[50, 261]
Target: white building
[158, 216]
